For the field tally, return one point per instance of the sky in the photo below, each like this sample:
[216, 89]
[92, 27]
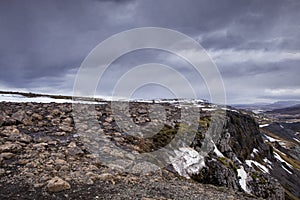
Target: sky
[254, 44]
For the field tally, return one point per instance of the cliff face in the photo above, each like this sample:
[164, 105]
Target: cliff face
[241, 163]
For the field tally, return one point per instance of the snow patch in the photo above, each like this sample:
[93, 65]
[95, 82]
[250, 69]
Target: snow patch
[278, 157]
[296, 140]
[255, 150]
[242, 174]
[216, 151]
[271, 139]
[286, 170]
[230, 110]
[260, 166]
[22, 99]
[208, 109]
[268, 162]
[263, 125]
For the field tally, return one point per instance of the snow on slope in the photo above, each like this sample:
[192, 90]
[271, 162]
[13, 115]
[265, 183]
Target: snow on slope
[22, 99]
[260, 166]
[243, 179]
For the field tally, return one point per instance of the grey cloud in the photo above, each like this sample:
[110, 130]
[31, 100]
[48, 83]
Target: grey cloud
[42, 43]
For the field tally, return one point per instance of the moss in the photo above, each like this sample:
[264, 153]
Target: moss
[203, 123]
[197, 177]
[228, 163]
[165, 136]
[254, 176]
[258, 178]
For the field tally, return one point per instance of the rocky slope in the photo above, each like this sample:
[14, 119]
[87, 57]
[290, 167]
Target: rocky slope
[44, 154]
[280, 129]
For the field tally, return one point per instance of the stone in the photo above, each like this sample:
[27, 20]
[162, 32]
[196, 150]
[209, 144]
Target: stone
[37, 116]
[145, 168]
[10, 147]
[56, 112]
[15, 135]
[105, 177]
[20, 137]
[2, 171]
[73, 149]
[19, 116]
[57, 184]
[7, 155]
[187, 162]
[68, 121]
[61, 133]
[60, 162]
[66, 127]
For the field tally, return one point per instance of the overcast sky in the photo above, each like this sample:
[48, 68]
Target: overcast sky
[255, 44]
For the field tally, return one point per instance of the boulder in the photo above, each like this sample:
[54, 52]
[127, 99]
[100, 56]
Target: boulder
[57, 184]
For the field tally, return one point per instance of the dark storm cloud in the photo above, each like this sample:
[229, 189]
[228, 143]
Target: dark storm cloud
[47, 38]
[42, 43]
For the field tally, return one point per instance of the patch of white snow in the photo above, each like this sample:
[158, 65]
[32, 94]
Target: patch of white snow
[260, 166]
[263, 125]
[296, 140]
[278, 157]
[217, 152]
[243, 179]
[286, 169]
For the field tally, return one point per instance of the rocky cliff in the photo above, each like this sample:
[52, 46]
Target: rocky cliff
[43, 149]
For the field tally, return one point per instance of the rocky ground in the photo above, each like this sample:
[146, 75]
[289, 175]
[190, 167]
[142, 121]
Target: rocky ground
[43, 155]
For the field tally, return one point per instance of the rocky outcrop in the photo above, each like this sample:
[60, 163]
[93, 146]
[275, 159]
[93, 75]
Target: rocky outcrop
[236, 143]
[43, 157]
[40, 146]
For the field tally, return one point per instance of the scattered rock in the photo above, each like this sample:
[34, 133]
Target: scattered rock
[10, 147]
[105, 177]
[57, 184]
[7, 155]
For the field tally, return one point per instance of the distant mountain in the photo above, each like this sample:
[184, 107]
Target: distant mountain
[262, 107]
[292, 110]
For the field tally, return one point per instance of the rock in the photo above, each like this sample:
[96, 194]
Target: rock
[14, 134]
[57, 184]
[2, 171]
[10, 147]
[56, 112]
[8, 130]
[19, 116]
[49, 117]
[265, 186]
[40, 146]
[61, 133]
[187, 161]
[6, 120]
[7, 155]
[2, 120]
[60, 162]
[68, 121]
[145, 168]
[219, 173]
[36, 116]
[109, 119]
[22, 161]
[73, 149]
[105, 177]
[66, 127]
